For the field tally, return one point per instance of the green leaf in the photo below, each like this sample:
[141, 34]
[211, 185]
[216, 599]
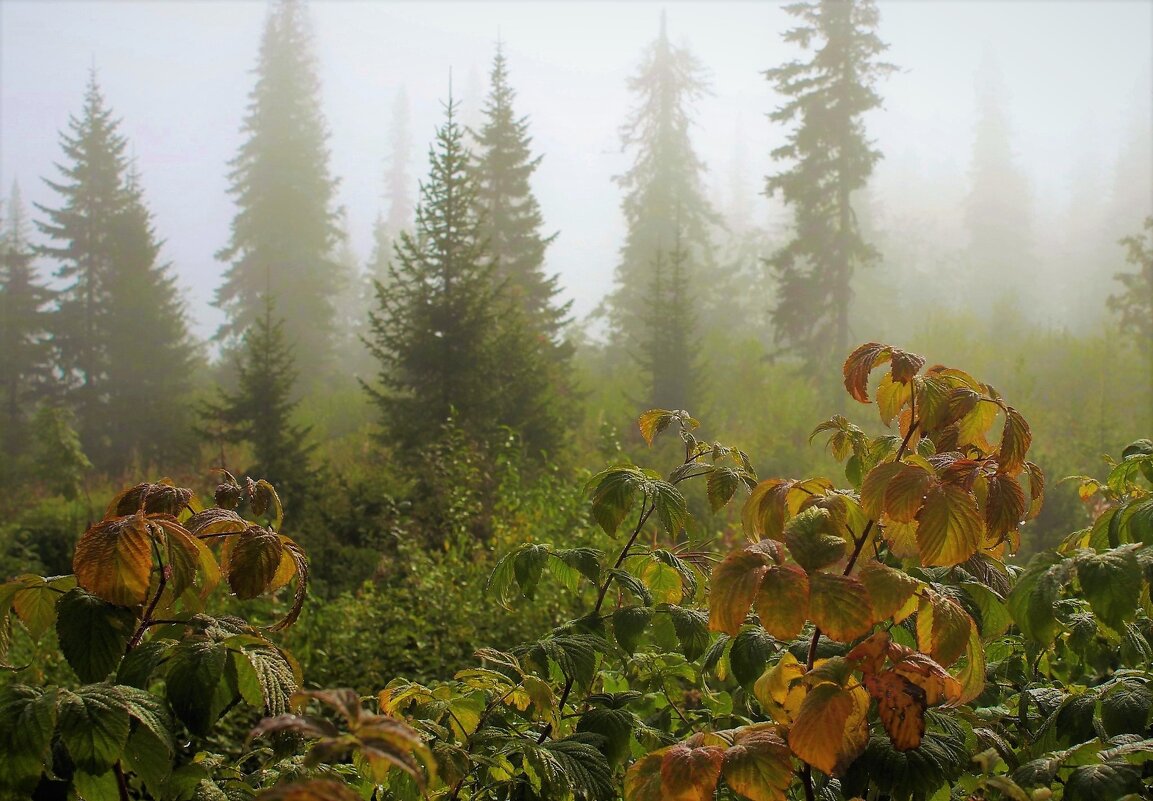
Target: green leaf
[274, 680]
[615, 725]
[201, 682]
[1100, 782]
[721, 486]
[813, 541]
[94, 724]
[1125, 708]
[663, 581]
[92, 633]
[671, 508]
[613, 492]
[1112, 583]
[632, 584]
[749, 654]
[1032, 599]
[586, 561]
[995, 617]
[27, 720]
[692, 628]
[528, 567]
[629, 624]
[102, 787]
[35, 604]
[583, 767]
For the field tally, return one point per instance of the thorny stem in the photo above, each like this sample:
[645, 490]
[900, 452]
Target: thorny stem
[858, 546]
[146, 620]
[568, 685]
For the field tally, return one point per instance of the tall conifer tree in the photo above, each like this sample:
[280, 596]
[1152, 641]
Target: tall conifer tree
[665, 200]
[449, 342]
[286, 229]
[25, 326]
[122, 343]
[829, 159]
[668, 352]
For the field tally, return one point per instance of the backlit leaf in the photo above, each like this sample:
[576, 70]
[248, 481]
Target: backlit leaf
[973, 427]
[905, 492]
[690, 774]
[613, 492]
[892, 396]
[1036, 490]
[781, 691]
[1004, 506]
[901, 707]
[943, 628]
[949, 526]
[765, 510]
[653, 422]
[875, 485]
[759, 764]
[643, 778]
[253, 561]
[830, 731]
[782, 602]
[1015, 440]
[113, 560]
[35, 604]
[839, 606]
[888, 589]
[734, 584]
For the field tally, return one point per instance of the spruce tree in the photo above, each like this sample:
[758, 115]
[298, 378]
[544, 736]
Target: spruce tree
[286, 228]
[512, 217]
[262, 408]
[434, 328]
[664, 188]
[1134, 304]
[25, 329]
[829, 159]
[668, 352]
[449, 341]
[121, 340]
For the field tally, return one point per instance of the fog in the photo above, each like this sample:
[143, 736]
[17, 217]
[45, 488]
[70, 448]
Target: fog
[1073, 80]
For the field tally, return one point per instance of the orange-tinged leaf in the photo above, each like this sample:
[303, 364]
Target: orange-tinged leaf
[643, 778]
[782, 603]
[960, 402]
[840, 606]
[1004, 507]
[902, 539]
[830, 731]
[734, 584]
[802, 492]
[905, 365]
[1036, 490]
[858, 366]
[875, 485]
[905, 492]
[781, 691]
[949, 527]
[901, 707]
[889, 589]
[759, 764]
[253, 562]
[1015, 440]
[113, 560]
[920, 669]
[653, 422]
[943, 628]
[690, 774]
[764, 511]
[870, 653]
[932, 402]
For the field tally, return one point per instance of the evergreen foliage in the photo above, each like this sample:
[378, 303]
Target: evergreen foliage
[665, 200]
[287, 227]
[262, 408]
[449, 342]
[25, 326]
[830, 158]
[668, 354]
[1134, 304]
[122, 344]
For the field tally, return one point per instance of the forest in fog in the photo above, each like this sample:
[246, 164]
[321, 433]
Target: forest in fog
[441, 302]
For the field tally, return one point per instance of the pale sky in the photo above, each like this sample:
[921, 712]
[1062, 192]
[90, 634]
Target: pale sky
[1077, 77]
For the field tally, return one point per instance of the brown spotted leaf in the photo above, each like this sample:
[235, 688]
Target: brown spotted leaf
[1004, 506]
[901, 706]
[643, 778]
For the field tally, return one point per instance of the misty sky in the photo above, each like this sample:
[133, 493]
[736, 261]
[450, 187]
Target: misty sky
[1076, 77]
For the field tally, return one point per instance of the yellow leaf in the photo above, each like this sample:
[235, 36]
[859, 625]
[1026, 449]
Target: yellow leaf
[943, 628]
[782, 603]
[840, 606]
[902, 539]
[949, 527]
[891, 397]
[972, 675]
[875, 485]
[889, 589]
[113, 560]
[781, 691]
[653, 422]
[662, 580]
[860, 363]
[973, 426]
[759, 765]
[905, 492]
[643, 778]
[901, 707]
